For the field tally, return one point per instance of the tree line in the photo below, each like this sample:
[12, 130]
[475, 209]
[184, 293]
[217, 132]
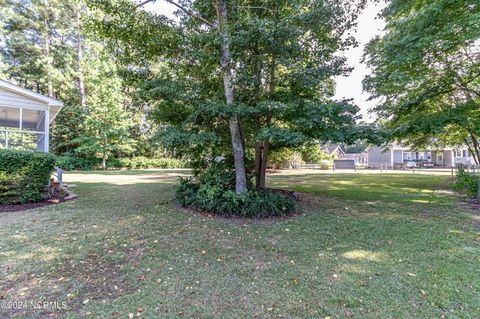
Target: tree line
[46, 46]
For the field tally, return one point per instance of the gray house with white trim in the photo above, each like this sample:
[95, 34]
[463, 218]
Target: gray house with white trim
[25, 118]
[396, 154]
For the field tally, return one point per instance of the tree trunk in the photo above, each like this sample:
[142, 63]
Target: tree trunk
[258, 152]
[263, 171]
[478, 190]
[236, 136]
[258, 144]
[476, 155]
[47, 52]
[81, 83]
[266, 143]
[472, 152]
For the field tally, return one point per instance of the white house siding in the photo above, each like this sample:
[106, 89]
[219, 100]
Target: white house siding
[448, 158]
[378, 156]
[11, 99]
[397, 156]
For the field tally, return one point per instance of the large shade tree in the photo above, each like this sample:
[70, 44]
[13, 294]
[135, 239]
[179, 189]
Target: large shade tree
[426, 72]
[239, 77]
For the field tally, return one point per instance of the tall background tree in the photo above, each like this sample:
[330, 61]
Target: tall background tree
[47, 47]
[426, 72]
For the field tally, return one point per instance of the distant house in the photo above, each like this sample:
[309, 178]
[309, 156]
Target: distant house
[359, 158]
[397, 154]
[333, 151]
[25, 118]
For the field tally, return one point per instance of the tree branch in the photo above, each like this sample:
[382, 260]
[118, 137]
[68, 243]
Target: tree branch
[187, 11]
[144, 3]
[470, 90]
[253, 7]
[191, 13]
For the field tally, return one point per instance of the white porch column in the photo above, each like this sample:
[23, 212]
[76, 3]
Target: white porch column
[46, 137]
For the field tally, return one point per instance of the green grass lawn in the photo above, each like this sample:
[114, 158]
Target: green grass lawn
[364, 246]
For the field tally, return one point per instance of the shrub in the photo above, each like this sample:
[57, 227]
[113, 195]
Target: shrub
[214, 193]
[466, 182]
[324, 164]
[145, 162]
[68, 163]
[281, 159]
[313, 154]
[24, 175]
[186, 191]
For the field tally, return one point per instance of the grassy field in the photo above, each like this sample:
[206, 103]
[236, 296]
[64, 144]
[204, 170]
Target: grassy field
[364, 246]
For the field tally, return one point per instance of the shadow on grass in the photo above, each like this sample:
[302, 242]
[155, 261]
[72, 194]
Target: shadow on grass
[122, 246]
[375, 187]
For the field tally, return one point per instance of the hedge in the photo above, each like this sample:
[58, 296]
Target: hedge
[145, 162]
[69, 163]
[24, 175]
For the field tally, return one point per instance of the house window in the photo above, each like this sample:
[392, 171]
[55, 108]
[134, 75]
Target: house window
[407, 156]
[464, 153]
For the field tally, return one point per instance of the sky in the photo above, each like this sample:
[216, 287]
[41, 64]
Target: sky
[347, 87]
[351, 86]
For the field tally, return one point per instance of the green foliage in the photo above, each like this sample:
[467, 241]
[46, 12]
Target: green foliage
[35, 49]
[466, 182]
[426, 71]
[24, 175]
[69, 163]
[69, 127]
[48, 47]
[186, 191]
[218, 174]
[144, 162]
[255, 203]
[215, 193]
[358, 147]
[281, 158]
[313, 154]
[106, 122]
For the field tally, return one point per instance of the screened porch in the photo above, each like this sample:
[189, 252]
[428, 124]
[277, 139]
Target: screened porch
[25, 118]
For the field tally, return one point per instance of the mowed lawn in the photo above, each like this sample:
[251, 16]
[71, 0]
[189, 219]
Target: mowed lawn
[364, 246]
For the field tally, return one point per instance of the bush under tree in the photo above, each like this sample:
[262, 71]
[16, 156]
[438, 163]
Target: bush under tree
[214, 192]
[467, 183]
